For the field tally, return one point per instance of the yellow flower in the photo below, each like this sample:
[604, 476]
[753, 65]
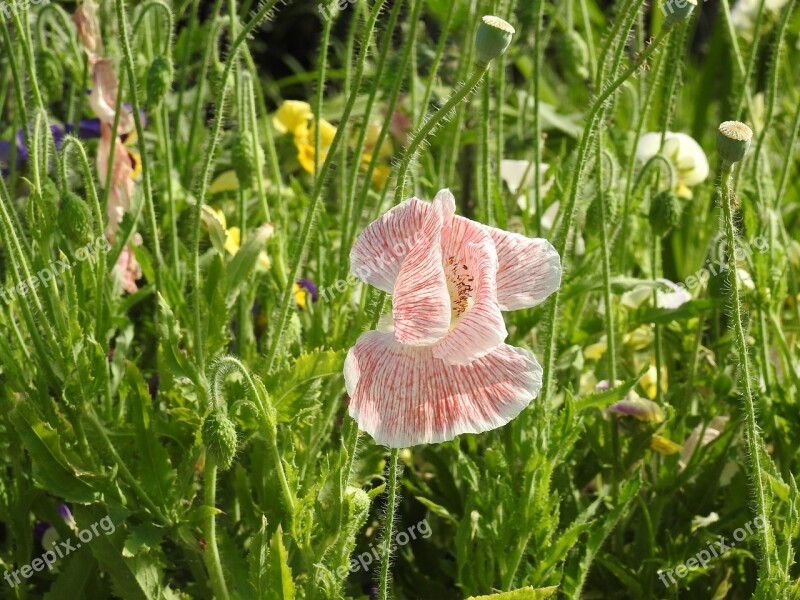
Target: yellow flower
[663, 445]
[233, 240]
[649, 381]
[292, 115]
[640, 338]
[299, 295]
[304, 141]
[596, 351]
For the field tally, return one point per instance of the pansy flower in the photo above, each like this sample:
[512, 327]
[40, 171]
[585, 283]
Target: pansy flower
[691, 163]
[304, 289]
[438, 366]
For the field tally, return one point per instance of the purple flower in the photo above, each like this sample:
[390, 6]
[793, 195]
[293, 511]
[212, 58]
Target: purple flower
[309, 287]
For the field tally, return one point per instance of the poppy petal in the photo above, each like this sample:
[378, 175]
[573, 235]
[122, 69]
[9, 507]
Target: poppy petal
[471, 269]
[405, 396]
[529, 269]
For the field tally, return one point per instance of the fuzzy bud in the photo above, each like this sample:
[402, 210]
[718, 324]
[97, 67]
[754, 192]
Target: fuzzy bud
[733, 141]
[665, 213]
[575, 53]
[219, 438]
[159, 80]
[244, 161]
[50, 74]
[493, 39]
[75, 220]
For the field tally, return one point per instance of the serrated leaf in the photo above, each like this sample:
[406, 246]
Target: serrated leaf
[279, 576]
[526, 593]
[155, 470]
[259, 557]
[51, 467]
[289, 384]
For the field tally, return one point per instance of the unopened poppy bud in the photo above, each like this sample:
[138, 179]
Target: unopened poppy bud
[219, 438]
[159, 80]
[576, 54]
[75, 220]
[665, 213]
[244, 161]
[733, 141]
[494, 37]
[677, 10]
[50, 74]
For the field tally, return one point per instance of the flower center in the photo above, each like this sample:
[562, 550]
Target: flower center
[459, 285]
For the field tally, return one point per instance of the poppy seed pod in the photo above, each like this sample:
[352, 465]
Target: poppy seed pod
[493, 38]
[75, 220]
[219, 438]
[733, 141]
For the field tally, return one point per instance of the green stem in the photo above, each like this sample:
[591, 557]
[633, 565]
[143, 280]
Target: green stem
[431, 124]
[211, 554]
[753, 439]
[124, 29]
[388, 530]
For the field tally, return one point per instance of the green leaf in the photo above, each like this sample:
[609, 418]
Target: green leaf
[240, 267]
[155, 470]
[290, 384]
[526, 593]
[259, 555]
[279, 575]
[76, 578]
[51, 467]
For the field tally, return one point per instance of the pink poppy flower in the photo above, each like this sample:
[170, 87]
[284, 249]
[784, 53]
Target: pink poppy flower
[441, 368]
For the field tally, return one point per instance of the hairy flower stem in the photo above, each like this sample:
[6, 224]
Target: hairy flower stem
[431, 124]
[211, 553]
[569, 212]
[122, 19]
[751, 427]
[388, 530]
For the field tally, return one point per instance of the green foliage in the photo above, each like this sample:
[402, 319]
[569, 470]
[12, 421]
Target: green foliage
[130, 373]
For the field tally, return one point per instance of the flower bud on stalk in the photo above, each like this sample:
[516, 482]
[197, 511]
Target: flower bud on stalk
[576, 55]
[50, 74]
[733, 142]
[665, 213]
[159, 80]
[75, 220]
[494, 37]
[219, 438]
